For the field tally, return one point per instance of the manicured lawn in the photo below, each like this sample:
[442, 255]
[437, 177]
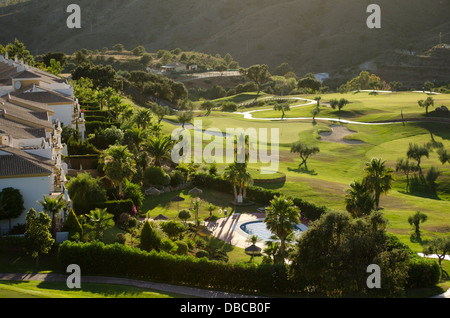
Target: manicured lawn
[37, 289]
[331, 171]
[162, 204]
[365, 107]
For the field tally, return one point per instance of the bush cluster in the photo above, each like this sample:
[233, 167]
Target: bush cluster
[119, 260]
[115, 207]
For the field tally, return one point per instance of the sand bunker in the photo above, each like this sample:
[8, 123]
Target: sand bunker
[337, 134]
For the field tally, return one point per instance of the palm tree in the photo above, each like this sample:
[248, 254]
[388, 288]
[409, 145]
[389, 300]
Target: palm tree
[359, 201]
[245, 179]
[100, 220]
[53, 206]
[230, 174]
[271, 249]
[118, 164]
[108, 93]
[211, 208]
[134, 137]
[143, 118]
[159, 148]
[101, 97]
[115, 101]
[239, 177]
[281, 218]
[378, 179]
[415, 221]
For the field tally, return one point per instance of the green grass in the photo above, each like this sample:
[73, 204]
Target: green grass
[162, 204]
[37, 289]
[331, 171]
[365, 107]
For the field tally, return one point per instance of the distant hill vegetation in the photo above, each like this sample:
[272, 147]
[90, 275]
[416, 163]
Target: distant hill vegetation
[311, 35]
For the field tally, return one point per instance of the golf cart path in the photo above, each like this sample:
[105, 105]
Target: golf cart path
[248, 114]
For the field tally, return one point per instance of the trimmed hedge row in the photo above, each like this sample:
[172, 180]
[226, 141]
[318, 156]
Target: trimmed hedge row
[254, 193]
[115, 207]
[96, 258]
[92, 126]
[101, 113]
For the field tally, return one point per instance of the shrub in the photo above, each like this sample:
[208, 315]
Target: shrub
[120, 238]
[423, 272]
[200, 243]
[150, 238]
[213, 169]
[177, 177]
[167, 245]
[72, 225]
[12, 242]
[155, 176]
[182, 247]
[124, 219]
[80, 148]
[201, 253]
[172, 229]
[190, 243]
[84, 189]
[116, 207]
[133, 192]
[229, 107]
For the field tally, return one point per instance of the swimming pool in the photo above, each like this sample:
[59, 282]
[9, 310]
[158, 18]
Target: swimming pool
[259, 229]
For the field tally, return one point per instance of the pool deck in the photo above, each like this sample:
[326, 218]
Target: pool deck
[228, 228]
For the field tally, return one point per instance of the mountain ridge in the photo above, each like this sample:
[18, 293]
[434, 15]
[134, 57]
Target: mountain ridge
[311, 35]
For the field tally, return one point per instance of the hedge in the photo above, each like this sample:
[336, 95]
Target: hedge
[100, 113]
[261, 195]
[115, 207]
[92, 118]
[96, 258]
[92, 126]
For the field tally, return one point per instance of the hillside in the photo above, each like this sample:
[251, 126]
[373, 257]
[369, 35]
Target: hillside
[311, 35]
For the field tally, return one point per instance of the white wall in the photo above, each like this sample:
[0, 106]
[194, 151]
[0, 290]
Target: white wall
[63, 113]
[31, 142]
[32, 189]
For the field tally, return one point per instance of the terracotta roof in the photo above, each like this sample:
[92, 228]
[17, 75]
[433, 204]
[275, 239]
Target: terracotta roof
[16, 162]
